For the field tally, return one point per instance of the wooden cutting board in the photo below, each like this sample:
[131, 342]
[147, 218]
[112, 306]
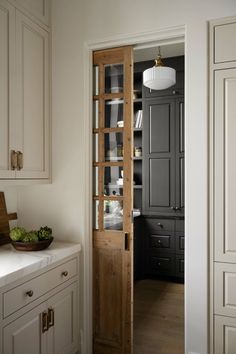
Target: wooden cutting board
[4, 221]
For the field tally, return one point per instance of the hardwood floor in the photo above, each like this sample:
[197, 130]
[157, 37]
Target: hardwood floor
[158, 317]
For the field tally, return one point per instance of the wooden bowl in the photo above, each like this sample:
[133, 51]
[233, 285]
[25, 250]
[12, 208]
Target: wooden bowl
[32, 246]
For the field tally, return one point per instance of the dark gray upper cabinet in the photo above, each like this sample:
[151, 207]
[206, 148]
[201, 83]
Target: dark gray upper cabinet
[180, 154]
[163, 167]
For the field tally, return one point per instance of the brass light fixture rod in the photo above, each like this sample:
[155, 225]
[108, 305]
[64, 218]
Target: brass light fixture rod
[158, 60]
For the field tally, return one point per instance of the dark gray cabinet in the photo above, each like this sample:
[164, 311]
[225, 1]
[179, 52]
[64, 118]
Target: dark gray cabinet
[163, 171]
[159, 233]
[163, 247]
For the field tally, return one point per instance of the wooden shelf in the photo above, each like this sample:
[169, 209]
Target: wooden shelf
[138, 186]
[135, 186]
[137, 158]
[138, 100]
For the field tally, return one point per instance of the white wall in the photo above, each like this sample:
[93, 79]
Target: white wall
[61, 205]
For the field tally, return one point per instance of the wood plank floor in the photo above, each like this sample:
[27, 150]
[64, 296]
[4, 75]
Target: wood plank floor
[158, 317]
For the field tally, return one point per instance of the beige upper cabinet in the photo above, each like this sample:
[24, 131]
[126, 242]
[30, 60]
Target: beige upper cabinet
[38, 8]
[24, 98]
[7, 55]
[224, 37]
[225, 168]
[32, 98]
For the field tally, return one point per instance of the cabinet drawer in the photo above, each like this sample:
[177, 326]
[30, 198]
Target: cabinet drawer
[225, 289]
[179, 225]
[25, 293]
[160, 225]
[225, 49]
[163, 242]
[163, 265]
[224, 335]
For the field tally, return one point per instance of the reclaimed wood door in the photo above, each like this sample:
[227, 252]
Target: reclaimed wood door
[113, 201]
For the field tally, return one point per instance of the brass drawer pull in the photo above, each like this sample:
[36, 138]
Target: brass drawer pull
[30, 293]
[13, 160]
[19, 160]
[65, 273]
[44, 321]
[50, 317]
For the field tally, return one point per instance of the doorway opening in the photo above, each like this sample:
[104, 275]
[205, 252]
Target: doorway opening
[158, 203]
[159, 206]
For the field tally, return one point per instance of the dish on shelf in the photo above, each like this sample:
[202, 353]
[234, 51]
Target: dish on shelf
[32, 246]
[120, 124]
[120, 182]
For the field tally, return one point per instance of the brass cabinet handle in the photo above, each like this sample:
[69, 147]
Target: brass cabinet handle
[13, 160]
[30, 293]
[44, 321]
[65, 273]
[50, 317]
[19, 160]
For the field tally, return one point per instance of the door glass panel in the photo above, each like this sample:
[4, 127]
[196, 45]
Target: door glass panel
[95, 214]
[95, 147]
[113, 146]
[113, 215]
[96, 114]
[114, 78]
[113, 181]
[96, 80]
[95, 181]
[114, 114]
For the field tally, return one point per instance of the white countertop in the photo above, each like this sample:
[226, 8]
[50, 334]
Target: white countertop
[17, 264]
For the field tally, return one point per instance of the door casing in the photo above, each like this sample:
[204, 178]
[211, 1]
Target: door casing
[148, 39]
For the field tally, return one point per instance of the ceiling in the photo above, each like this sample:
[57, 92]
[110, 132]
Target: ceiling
[167, 51]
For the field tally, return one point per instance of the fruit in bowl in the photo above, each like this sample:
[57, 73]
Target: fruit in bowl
[34, 240]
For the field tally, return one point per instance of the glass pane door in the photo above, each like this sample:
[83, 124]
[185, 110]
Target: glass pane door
[113, 199]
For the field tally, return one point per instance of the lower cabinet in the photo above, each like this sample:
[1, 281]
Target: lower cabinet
[162, 247]
[24, 335]
[224, 338]
[49, 328]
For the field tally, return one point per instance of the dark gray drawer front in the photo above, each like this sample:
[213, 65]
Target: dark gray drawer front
[164, 265]
[164, 242]
[160, 225]
[179, 225]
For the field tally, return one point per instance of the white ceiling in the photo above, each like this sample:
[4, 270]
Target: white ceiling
[167, 51]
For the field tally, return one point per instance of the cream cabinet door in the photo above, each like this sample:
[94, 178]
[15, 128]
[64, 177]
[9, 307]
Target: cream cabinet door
[32, 98]
[7, 72]
[225, 289]
[62, 337]
[225, 166]
[38, 8]
[24, 336]
[225, 335]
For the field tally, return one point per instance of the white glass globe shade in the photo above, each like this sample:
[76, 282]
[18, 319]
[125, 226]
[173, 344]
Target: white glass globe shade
[159, 77]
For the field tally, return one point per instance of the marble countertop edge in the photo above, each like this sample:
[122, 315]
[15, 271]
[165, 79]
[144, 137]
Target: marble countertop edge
[15, 265]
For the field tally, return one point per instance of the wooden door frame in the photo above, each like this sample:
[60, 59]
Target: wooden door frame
[166, 36]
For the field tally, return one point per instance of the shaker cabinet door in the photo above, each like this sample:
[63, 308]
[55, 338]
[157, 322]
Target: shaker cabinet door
[24, 335]
[32, 120]
[224, 165]
[159, 156]
[7, 70]
[62, 336]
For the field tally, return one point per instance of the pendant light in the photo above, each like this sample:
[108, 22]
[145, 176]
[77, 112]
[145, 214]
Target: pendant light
[159, 77]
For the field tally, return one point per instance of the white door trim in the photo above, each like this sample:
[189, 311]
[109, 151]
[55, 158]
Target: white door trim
[160, 37]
